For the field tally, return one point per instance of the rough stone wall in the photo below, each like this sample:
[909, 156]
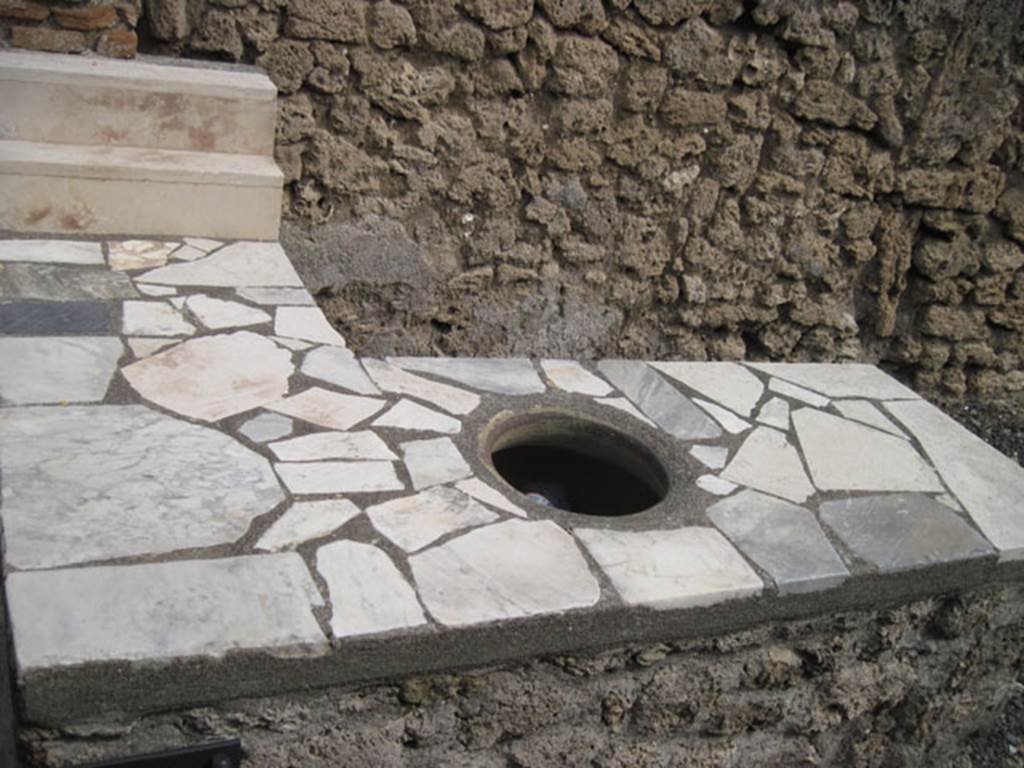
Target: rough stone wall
[71, 26]
[771, 179]
[900, 687]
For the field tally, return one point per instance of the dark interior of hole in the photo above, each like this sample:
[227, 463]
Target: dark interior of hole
[573, 481]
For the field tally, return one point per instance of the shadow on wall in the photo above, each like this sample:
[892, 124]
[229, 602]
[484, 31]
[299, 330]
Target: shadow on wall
[771, 180]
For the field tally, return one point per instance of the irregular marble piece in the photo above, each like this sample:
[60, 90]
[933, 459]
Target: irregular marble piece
[775, 413]
[204, 244]
[30, 318]
[313, 477]
[154, 318]
[682, 568]
[163, 611]
[56, 283]
[570, 376]
[328, 409]
[480, 491]
[88, 483]
[782, 538]
[503, 376]
[730, 422]
[55, 369]
[504, 571]
[144, 347]
[188, 253]
[214, 376]
[368, 592]
[306, 520]
[337, 366]
[840, 379]
[715, 485]
[306, 323]
[795, 392]
[434, 461]
[138, 254]
[333, 445]
[218, 314]
[412, 522]
[156, 290]
[659, 400]
[53, 251]
[417, 418]
[949, 501]
[711, 456]
[293, 344]
[239, 265]
[868, 413]
[728, 384]
[390, 378]
[622, 404]
[845, 455]
[903, 530]
[266, 427]
[988, 484]
[766, 461]
[274, 296]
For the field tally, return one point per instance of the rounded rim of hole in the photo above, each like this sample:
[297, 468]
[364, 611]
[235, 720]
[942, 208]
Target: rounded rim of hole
[613, 455]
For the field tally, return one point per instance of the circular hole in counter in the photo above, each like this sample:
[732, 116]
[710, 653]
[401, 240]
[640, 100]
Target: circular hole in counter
[577, 465]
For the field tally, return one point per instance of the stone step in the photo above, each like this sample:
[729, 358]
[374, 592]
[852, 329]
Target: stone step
[61, 188]
[148, 102]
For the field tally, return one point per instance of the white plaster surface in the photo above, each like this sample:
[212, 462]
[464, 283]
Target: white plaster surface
[413, 522]
[266, 427]
[728, 384]
[504, 571]
[305, 520]
[314, 477]
[163, 611]
[211, 377]
[51, 251]
[988, 484]
[845, 455]
[481, 491]
[218, 313]
[337, 366]
[840, 379]
[88, 483]
[56, 369]
[434, 461]
[570, 376]
[328, 409]
[154, 318]
[390, 378]
[363, 445]
[665, 569]
[239, 265]
[766, 461]
[503, 376]
[368, 592]
[306, 323]
[407, 415]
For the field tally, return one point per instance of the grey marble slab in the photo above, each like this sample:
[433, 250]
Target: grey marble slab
[31, 318]
[62, 283]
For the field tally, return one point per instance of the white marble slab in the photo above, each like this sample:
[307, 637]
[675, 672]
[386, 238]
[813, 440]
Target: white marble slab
[845, 455]
[775, 413]
[840, 379]
[267, 427]
[728, 420]
[711, 456]
[188, 253]
[728, 384]
[622, 404]
[480, 491]
[306, 323]
[156, 290]
[766, 461]
[297, 297]
[218, 314]
[239, 265]
[434, 461]
[211, 377]
[798, 393]
[390, 378]
[337, 366]
[368, 592]
[413, 522]
[304, 521]
[715, 485]
[504, 571]
[142, 346]
[163, 611]
[319, 477]
[666, 569]
[363, 445]
[328, 409]
[154, 318]
[51, 251]
[570, 376]
[203, 244]
[138, 254]
[410, 416]
[86, 483]
[503, 376]
[868, 413]
[56, 369]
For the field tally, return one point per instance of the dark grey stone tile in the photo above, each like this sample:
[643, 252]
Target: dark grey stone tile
[62, 283]
[34, 318]
[902, 530]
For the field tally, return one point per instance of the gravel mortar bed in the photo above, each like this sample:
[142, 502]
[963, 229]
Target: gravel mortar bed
[1001, 424]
